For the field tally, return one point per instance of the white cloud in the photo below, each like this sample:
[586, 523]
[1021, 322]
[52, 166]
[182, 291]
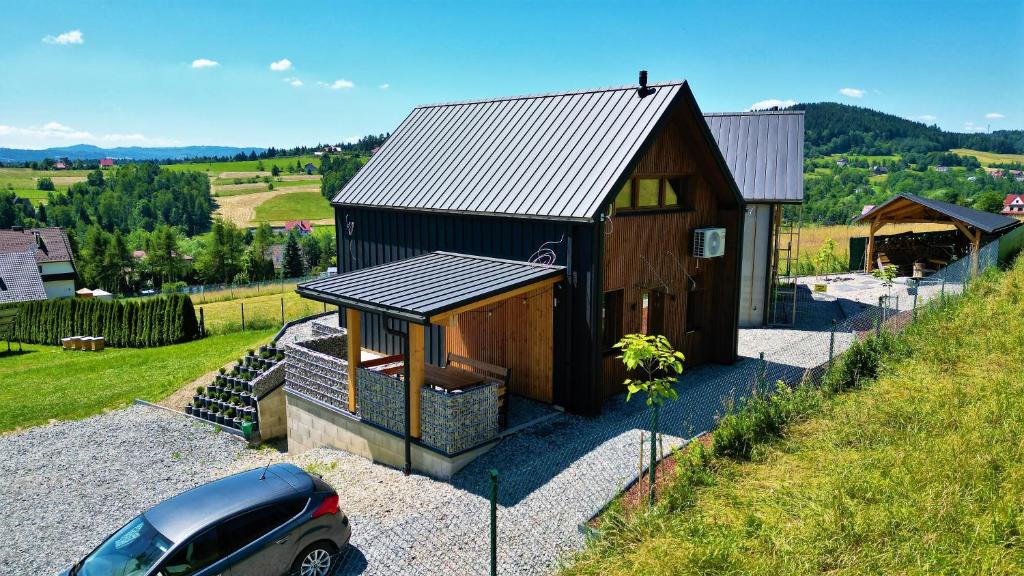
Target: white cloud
[994, 116]
[69, 37]
[204, 63]
[281, 65]
[294, 82]
[852, 92]
[771, 103]
[927, 118]
[58, 134]
[384, 86]
[340, 84]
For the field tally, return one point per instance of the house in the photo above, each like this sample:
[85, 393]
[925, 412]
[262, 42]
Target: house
[107, 163]
[310, 168]
[318, 153]
[842, 162]
[20, 280]
[52, 251]
[1013, 206]
[374, 150]
[303, 227]
[527, 244]
[765, 152]
[60, 166]
[941, 168]
[998, 174]
[877, 170]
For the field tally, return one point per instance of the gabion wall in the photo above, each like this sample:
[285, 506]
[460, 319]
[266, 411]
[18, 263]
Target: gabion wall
[456, 422]
[382, 400]
[314, 370]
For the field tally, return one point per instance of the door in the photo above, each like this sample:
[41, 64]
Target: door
[656, 313]
[263, 540]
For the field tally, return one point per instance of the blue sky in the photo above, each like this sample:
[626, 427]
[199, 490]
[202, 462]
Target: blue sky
[131, 73]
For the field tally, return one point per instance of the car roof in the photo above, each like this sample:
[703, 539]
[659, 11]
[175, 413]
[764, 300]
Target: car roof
[181, 516]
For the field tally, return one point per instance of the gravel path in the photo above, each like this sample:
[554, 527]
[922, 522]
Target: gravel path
[65, 486]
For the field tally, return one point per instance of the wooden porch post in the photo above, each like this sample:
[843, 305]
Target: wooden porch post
[975, 249]
[869, 255]
[354, 349]
[416, 359]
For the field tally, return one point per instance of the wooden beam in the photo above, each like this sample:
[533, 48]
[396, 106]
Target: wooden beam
[869, 255]
[975, 249]
[443, 317]
[416, 360]
[354, 354]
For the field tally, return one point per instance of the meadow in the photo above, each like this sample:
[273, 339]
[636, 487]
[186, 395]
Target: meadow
[46, 382]
[261, 311]
[294, 206]
[226, 169]
[917, 472]
[812, 237]
[23, 181]
[987, 158]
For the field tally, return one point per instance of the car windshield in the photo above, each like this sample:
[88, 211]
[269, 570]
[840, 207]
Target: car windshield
[131, 551]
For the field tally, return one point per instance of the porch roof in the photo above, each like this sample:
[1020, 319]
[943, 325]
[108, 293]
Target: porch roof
[910, 208]
[427, 288]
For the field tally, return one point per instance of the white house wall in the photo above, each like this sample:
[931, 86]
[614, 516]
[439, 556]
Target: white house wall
[757, 237]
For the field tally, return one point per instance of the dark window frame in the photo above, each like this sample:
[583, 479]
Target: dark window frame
[684, 198]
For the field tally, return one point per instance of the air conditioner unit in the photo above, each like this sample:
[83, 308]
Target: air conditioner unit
[708, 242]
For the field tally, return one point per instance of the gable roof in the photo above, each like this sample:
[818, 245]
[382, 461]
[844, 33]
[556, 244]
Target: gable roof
[55, 248]
[555, 156]
[938, 211]
[764, 151]
[19, 278]
[1013, 199]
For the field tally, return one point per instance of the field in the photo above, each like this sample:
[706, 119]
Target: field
[45, 383]
[987, 158]
[219, 169]
[261, 311]
[812, 237]
[919, 472]
[23, 181]
[294, 206]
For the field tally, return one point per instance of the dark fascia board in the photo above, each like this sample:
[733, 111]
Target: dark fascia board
[414, 316]
[463, 213]
[684, 95]
[914, 198]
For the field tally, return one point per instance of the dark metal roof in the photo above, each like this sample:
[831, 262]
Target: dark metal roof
[764, 151]
[182, 516]
[55, 245]
[19, 278]
[549, 155]
[417, 288]
[985, 221]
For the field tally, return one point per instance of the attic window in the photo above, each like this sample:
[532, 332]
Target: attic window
[656, 193]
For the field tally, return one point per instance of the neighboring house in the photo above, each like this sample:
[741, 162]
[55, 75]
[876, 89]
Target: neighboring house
[765, 151]
[1013, 205]
[619, 198]
[20, 280]
[998, 174]
[842, 162]
[310, 168]
[52, 252]
[876, 170]
[941, 168]
[107, 163]
[375, 150]
[60, 166]
[304, 227]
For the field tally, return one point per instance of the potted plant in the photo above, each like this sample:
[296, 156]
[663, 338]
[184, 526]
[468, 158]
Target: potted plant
[229, 416]
[221, 370]
[237, 422]
[279, 356]
[245, 397]
[203, 412]
[189, 408]
[198, 395]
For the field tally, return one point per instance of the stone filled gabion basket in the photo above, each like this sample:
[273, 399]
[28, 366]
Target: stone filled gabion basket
[229, 400]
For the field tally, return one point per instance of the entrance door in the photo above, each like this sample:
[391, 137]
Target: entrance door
[652, 309]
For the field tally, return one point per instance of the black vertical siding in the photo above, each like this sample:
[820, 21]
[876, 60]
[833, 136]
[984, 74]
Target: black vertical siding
[382, 236]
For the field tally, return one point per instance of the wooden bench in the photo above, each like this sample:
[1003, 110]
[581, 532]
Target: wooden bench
[490, 373]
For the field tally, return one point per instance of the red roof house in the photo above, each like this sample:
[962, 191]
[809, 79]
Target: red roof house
[107, 163]
[1013, 205]
[305, 227]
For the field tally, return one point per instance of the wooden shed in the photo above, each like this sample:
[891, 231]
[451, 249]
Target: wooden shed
[624, 190]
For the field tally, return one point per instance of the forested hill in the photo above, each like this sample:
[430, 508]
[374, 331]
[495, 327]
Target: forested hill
[833, 128]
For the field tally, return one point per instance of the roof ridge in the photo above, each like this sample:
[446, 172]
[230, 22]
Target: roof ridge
[756, 113]
[548, 94]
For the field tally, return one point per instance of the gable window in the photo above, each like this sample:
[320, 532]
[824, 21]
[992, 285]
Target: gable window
[611, 318]
[656, 193]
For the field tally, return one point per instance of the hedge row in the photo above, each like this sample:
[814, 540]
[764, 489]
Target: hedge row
[154, 321]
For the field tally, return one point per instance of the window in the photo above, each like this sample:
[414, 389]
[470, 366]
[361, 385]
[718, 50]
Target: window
[130, 550]
[611, 318]
[666, 193]
[246, 528]
[199, 553]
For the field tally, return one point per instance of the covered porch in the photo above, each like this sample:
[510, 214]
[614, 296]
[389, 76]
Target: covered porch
[498, 325]
[974, 226]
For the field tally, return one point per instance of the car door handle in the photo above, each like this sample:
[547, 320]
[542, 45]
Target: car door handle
[281, 541]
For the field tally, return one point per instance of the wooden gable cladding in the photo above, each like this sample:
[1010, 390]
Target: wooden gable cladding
[516, 333]
[652, 251]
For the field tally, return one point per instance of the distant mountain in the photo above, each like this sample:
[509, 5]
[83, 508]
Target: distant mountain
[89, 152]
[833, 128]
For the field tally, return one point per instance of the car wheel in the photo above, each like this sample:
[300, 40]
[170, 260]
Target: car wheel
[316, 560]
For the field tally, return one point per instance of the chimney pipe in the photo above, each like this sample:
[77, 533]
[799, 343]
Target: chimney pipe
[644, 90]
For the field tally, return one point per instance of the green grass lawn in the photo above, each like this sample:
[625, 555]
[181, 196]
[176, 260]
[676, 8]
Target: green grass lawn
[46, 382]
[262, 187]
[295, 206]
[919, 472]
[987, 158]
[242, 165]
[222, 314]
[35, 196]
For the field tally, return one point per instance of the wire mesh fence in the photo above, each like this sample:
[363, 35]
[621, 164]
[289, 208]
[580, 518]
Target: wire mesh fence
[555, 477]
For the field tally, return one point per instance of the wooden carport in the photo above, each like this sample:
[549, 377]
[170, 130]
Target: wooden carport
[911, 209]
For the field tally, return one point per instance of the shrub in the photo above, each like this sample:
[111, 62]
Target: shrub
[862, 360]
[761, 418]
[151, 322]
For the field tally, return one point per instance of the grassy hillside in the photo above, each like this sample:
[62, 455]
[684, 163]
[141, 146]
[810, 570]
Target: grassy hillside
[262, 310]
[294, 206]
[920, 472]
[46, 382]
[987, 158]
[215, 168]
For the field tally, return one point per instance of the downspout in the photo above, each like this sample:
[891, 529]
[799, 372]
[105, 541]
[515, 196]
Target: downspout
[597, 289]
[404, 337]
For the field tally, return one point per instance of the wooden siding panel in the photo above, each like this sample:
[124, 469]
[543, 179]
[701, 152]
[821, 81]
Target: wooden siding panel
[516, 333]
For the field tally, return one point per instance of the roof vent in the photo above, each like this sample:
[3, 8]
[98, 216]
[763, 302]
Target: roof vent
[39, 240]
[644, 90]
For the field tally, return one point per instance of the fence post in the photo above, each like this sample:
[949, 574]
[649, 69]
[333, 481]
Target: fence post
[881, 316]
[761, 384]
[282, 311]
[242, 304]
[654, 453]
[202, 323]
[917, 288]
[202, 290]
[494, 522]
[831, 343]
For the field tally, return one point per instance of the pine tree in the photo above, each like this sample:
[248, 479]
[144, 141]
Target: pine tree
[293, 265]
